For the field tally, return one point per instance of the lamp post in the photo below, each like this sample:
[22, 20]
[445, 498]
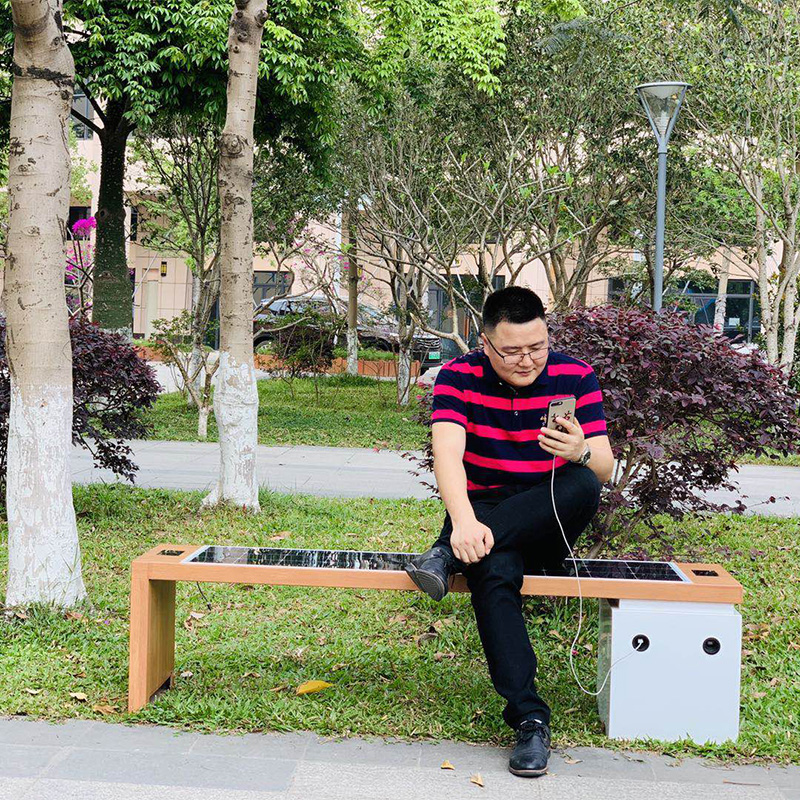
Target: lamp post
[662, 102]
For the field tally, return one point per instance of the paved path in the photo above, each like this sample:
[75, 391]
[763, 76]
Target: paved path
[363, 472]
[84, 760]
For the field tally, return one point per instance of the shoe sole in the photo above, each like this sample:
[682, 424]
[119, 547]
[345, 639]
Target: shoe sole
[431, 584]
[527, 773]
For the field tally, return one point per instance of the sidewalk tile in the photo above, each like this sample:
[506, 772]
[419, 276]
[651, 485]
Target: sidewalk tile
[291, 746]
[362, 751]
[25, 760]
[137, 738]
[178, 769]
[44, 732]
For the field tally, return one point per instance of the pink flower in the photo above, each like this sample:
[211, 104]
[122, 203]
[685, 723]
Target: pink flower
[84, 225]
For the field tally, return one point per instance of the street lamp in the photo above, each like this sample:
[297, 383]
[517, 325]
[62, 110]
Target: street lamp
[662, 102]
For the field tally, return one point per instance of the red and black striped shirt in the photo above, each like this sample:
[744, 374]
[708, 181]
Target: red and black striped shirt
[502, 421]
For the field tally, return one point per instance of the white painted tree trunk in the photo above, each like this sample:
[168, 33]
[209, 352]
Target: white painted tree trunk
[44, 560]
[720, 307]
[236, 394]
[352, 351]
[404, 373]
[197, 350]
[202, 422]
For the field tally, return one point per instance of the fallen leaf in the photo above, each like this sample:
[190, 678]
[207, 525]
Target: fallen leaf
[442, 656]
[74, 615]
[446, 765]
[20, 615]
[282, 535]
[104, 709]
[280, 688]
[557, 635]
[252, 675]
[187, 673]
[746, 653]
[33, 691]
[571, 760]
[310, 687]
[78, 695]
[79, 674]
[774, 681]
[431, 633]
[398, 618]
[196, 615]
[794, 646]
[758, 695]
[476, 779]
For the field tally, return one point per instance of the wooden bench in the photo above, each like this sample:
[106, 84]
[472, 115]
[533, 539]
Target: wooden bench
[701, 595]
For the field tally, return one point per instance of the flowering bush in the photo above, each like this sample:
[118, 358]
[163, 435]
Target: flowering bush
[682, 405]
[111, 387]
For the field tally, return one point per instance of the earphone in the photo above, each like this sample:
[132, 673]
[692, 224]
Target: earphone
[580, 597]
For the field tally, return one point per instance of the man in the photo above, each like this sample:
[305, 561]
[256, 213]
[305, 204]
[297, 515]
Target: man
[493, 462]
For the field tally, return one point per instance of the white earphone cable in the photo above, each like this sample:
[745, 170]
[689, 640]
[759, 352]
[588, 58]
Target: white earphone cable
[580, 597]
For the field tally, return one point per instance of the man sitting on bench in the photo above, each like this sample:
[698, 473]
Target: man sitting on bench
[493, 462]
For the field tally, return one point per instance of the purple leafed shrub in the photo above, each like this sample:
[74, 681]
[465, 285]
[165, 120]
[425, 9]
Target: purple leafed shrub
[682, 406]
[111, 387]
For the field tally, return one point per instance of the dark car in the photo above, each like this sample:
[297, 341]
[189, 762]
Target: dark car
[376, 328]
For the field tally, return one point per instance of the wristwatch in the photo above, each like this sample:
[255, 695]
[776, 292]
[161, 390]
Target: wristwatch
[584, 457]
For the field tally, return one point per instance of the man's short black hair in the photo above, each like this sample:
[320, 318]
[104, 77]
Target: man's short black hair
[514, 304]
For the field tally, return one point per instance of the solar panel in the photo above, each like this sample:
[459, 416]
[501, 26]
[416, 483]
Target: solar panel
[368, 560]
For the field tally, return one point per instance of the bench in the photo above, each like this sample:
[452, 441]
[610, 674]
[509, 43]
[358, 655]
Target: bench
[670, 630]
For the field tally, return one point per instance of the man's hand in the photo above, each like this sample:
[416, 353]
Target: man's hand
[471, 540]
[570, 444]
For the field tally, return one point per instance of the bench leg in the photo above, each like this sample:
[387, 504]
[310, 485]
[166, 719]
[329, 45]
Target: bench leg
[152, 639]
[675, 673]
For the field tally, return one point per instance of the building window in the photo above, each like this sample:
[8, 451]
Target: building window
[269, 283]
[76, 213]
[81, 104]
[134, 235]
[742, 308]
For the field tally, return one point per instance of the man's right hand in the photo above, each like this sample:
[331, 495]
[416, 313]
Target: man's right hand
[471, 540]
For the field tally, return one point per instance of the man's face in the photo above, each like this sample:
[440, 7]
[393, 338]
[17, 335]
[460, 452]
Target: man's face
[511, 339]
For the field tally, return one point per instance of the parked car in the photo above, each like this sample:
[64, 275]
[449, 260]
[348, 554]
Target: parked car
[376, 329]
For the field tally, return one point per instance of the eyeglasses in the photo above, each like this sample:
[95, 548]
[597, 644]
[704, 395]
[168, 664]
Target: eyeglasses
[516, 358]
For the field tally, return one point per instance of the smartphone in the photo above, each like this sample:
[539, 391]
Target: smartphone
[563, 407]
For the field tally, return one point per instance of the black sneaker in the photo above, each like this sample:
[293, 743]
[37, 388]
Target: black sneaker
[530, 755]
[432, 570]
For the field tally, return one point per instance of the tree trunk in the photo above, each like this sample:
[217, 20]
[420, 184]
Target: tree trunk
[236, 395]
[352, 295]
[112, 304]
[44, 559]
[197, 342]
[720, 306]
[202, 422]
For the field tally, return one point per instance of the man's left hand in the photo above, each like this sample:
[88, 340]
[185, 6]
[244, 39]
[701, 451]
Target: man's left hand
[568, 444]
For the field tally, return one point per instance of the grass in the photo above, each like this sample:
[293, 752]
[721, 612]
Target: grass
[351, 411]
[239, 662]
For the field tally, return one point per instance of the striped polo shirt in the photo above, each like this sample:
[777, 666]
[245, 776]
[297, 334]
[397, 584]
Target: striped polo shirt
[502, 421]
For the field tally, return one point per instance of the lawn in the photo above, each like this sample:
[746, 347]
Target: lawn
[239, 659]
[351, 411]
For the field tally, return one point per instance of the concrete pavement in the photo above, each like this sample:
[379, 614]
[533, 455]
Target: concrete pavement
[363, 472]
[85, 760]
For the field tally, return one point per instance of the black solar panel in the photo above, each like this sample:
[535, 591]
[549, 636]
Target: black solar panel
[367, 560]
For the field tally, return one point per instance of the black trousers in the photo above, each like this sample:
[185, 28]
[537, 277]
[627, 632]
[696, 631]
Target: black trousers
[527, 539]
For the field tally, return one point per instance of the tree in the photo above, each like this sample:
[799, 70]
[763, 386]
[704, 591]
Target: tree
[751, 126]
[179, 159]
[136, 60]
[44, 553]
[236, 396]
